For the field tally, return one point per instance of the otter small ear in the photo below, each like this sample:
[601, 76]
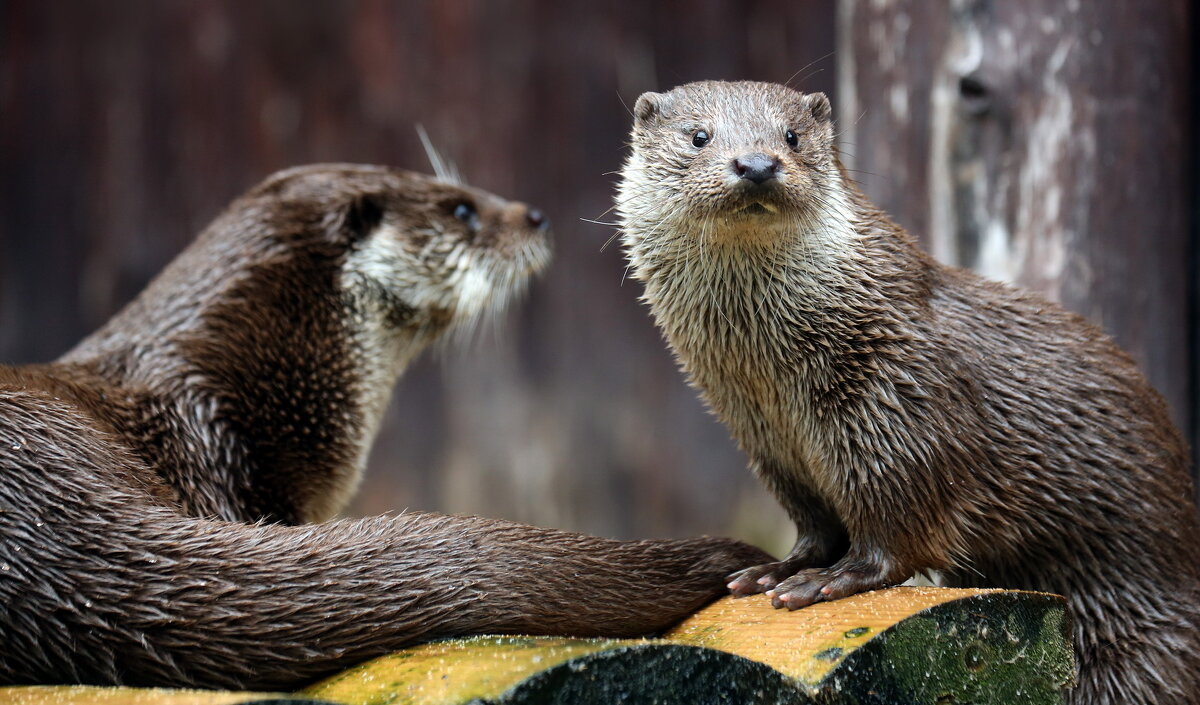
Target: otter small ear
[648, 105]
[364, 214]
[818, 105]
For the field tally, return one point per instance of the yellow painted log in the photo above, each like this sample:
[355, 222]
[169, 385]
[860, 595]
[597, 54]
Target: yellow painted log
[456, 671]
[556, 671]
[801, 643]
[903, 645]
[906, 644]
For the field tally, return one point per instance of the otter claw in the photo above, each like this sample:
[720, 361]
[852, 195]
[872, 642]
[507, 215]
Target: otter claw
[741, 587]
[760, 578]
[809, 586]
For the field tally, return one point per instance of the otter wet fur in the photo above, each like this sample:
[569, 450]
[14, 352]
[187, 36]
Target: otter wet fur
[910, 416]
[156, 481]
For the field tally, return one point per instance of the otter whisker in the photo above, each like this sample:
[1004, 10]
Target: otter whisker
[610, 239]
[807, 66]
[443, 168]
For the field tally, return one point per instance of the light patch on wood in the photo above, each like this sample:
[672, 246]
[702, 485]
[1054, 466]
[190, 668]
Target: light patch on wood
[964, 54]
[994, 256]
[847, 80]
[898, 96]
[994, 261]
[1042, 237]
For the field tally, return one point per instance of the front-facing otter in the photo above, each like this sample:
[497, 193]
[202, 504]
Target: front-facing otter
[909, 416]
[155, 480]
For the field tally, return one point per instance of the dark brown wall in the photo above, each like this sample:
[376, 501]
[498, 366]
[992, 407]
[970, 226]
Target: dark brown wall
[126, 125]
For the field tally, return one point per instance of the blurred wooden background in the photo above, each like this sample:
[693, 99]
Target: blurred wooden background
[125, 125]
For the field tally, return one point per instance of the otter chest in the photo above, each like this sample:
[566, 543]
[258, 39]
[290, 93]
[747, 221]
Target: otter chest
[754, 341]
[763, 397]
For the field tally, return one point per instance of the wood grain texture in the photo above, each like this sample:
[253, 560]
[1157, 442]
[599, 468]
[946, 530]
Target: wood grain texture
[1038, 143]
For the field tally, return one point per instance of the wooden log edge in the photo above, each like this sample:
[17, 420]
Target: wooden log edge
[934, 645]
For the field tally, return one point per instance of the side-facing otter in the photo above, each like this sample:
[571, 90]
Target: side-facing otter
[910, 416]
[154, 481]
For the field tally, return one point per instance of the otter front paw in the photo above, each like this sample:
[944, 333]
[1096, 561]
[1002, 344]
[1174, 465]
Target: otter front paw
[761, 578]
[818, 585]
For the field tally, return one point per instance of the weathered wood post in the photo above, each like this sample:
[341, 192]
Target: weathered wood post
[1042, 143]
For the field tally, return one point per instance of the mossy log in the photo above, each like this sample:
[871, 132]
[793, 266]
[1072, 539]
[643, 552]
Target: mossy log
[905, 645]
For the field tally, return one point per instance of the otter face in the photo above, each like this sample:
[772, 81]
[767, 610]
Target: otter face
[418, 254]
[715, 158]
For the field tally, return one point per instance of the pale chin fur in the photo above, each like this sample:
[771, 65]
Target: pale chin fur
[467, 285]
[464, 283]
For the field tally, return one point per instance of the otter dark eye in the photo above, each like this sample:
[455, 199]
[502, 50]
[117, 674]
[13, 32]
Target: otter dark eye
[465, 212]
[700, 138]
[791, 138]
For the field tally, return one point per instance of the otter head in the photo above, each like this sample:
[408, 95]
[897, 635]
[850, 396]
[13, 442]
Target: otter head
[385, 261]
[414, 255]
[719, 163]
[278, 335]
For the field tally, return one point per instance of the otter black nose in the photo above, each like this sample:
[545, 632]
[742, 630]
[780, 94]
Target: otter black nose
[756, 167]
[536, 218]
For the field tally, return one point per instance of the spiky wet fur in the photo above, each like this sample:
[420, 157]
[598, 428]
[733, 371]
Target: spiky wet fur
[155, 481]
[910, 416]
